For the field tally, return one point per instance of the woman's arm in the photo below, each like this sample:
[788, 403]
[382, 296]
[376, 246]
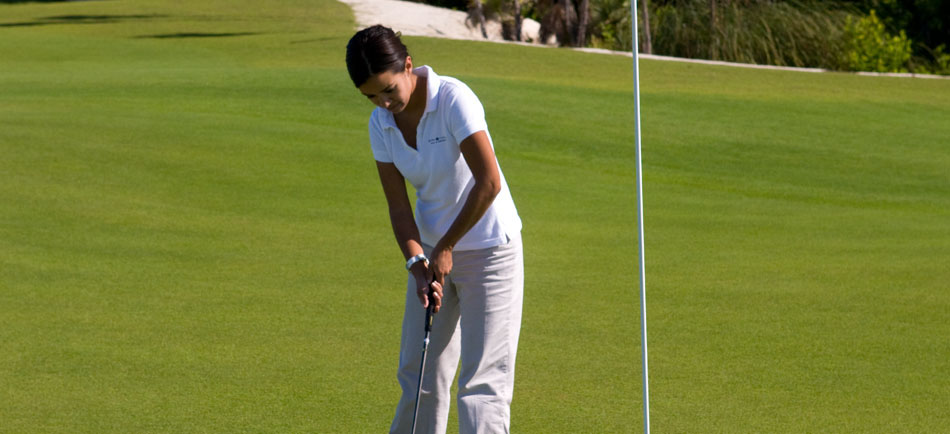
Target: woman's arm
[481, 161]
[407, 234]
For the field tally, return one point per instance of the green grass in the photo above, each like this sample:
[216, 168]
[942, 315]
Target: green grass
[193, 239]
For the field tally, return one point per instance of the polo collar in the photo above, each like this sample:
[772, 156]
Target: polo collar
[433, 83]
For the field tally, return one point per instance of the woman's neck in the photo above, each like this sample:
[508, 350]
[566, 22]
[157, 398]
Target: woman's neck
[417, 100]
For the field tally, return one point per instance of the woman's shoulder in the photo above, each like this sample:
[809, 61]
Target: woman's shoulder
[453, 86]
[453, 92]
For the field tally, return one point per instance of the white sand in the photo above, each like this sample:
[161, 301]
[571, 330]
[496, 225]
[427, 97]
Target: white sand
[417, 19]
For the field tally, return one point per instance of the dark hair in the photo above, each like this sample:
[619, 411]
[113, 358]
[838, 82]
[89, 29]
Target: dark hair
[373, 50]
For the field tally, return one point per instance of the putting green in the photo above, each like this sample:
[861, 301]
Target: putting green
[193, 239]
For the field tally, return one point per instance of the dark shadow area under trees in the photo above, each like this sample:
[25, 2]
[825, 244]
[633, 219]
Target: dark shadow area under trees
[42, 1]
[81, 19]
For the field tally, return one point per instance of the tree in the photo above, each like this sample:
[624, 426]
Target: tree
[647, 34]
[506, 12]
[583, 18]
[511, 20]
[713, 30]
[476, 13]
[562, 19]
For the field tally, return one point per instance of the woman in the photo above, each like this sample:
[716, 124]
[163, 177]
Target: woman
[462, 247]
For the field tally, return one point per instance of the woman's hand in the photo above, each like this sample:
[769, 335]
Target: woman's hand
[434, 276]
[426, 283]
[441, 263]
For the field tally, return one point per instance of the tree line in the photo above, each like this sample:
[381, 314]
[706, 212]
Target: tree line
[857, 35]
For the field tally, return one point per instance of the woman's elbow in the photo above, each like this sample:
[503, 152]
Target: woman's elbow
[491, 187]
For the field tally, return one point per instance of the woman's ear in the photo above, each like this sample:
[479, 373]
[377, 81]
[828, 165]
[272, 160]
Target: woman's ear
[408, 64]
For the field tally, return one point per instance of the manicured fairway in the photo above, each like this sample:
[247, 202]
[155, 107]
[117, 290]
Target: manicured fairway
[193, 238]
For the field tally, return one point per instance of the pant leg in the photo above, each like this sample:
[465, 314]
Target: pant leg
[490, 287]
[441, 362]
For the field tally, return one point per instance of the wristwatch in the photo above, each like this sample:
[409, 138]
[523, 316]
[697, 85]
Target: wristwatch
[417, 258]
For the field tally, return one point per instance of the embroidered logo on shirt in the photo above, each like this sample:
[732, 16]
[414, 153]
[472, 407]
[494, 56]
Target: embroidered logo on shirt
[438, 140]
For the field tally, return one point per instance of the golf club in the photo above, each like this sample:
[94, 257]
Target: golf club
[425, 346]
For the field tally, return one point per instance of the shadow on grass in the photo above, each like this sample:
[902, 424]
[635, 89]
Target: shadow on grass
[107, 19]
[40, 1]
[80, 19]
[196, 35]
[309, 41]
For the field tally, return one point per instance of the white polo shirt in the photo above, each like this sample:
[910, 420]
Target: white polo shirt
[437, 168]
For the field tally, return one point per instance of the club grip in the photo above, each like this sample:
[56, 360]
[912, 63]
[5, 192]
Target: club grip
[429, 318]
[429, 310]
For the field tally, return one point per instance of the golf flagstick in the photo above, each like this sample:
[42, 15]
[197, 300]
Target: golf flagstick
[643, 285]
[425, 347]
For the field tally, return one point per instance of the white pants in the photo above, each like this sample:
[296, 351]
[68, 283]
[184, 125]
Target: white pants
[479, 320]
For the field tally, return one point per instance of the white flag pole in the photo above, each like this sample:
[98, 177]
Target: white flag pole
[643, 286]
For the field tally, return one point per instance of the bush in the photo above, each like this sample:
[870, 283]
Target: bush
[611, 24]
[868, 46]
[942, 62]
[936, 61]
[793, 33]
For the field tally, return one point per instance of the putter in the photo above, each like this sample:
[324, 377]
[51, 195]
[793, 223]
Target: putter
[425, 346]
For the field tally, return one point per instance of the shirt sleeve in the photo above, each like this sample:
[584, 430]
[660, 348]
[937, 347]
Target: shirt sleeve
[377, 141]
[466, 114]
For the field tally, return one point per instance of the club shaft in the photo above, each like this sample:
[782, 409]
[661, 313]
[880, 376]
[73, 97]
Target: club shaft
[415, 413]
[422, 365]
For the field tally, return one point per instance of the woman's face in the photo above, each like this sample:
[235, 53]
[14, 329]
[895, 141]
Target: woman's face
[390, 90]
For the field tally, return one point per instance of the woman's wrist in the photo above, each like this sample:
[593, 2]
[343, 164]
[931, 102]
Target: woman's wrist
[442, 245]
[420, 266]
[417, 259]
